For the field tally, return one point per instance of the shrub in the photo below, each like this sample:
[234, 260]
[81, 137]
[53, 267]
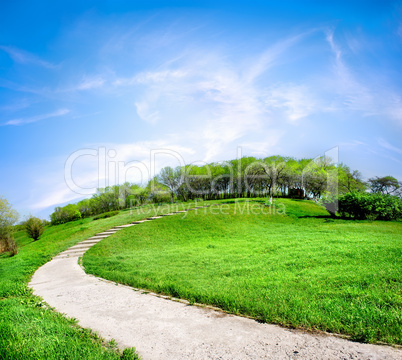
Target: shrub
[8, 217]
[11, 245]
[160, 197]
[330, 202]
[8, 244]
[371, 206]
[131, 201]
[34, 227]
[130, 354]
[65, 214]
[85, 207]
[106, 215]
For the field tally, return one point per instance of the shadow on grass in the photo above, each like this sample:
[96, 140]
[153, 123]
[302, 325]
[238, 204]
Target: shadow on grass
[320, 217]
[330, 218]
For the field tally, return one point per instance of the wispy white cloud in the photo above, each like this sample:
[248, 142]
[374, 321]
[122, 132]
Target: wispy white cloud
[399, 31]
[355, 95]
[366, 96]
[149, 77]
[393, 107]
[146, 113]
[296, 101]
[32, 119]
[263, 148]
[221, 106]
[16, 105]
[271, 56]
[42, 92]
[385, 144]
[352, 144]
[88, 83]
[222, 100]
[101, 165]
[334, 46]
[54, 196]
[24, 57]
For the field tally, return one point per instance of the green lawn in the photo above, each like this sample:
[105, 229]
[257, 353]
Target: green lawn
[300, 269]
[28, 328]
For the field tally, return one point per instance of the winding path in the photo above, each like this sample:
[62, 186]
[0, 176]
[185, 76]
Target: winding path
[164, 329]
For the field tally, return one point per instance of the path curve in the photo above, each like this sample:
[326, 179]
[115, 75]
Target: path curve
[164, 329]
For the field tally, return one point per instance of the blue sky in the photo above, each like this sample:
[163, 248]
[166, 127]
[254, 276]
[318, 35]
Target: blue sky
[196, 80]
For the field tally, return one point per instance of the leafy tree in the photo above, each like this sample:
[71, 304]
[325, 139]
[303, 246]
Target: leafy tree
[8, 217]
[141, 194]
[256, 178]
[384, 185]
[319, 176]
[172, 178]
[158, 192]
[276, 171]
[85, 207]
[362, 205]
[350, 181]
[34, 227]
[65, 214]
[198, 180]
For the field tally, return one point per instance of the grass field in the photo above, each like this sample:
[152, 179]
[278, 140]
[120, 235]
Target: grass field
[299, 269]
[28, 328]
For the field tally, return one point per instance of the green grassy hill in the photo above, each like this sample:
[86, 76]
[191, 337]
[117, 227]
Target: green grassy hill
[290, 264]
[28, 328]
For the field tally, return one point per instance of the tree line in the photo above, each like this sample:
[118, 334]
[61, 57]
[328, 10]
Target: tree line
[336, 186]
[275, 176]
[248, 177]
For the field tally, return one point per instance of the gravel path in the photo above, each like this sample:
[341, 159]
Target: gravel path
[164, 329]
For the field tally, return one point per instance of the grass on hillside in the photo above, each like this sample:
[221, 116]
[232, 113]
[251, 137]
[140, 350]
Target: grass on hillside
[301, 269]
[31, 330]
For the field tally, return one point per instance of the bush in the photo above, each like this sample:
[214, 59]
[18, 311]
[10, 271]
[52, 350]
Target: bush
[131, 201]
[8, 243]
[8, 217]
[34, 227]
[330, 202]
[160, 197]
[65, 214]
[130, 354]
[106, 215]
[370, 206]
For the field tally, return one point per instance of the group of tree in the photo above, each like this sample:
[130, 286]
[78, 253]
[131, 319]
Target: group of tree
[112, 198]
[33, 226]
[273, 176]
[255, 177]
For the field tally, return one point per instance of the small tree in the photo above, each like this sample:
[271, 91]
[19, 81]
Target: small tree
[8, 217]
[384, 185]
[65, 214]
[172, 178]
[350, 181]
[34, 227]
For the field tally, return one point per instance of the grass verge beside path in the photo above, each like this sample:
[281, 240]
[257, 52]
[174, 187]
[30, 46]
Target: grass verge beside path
[301, 269]
[28, 328]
